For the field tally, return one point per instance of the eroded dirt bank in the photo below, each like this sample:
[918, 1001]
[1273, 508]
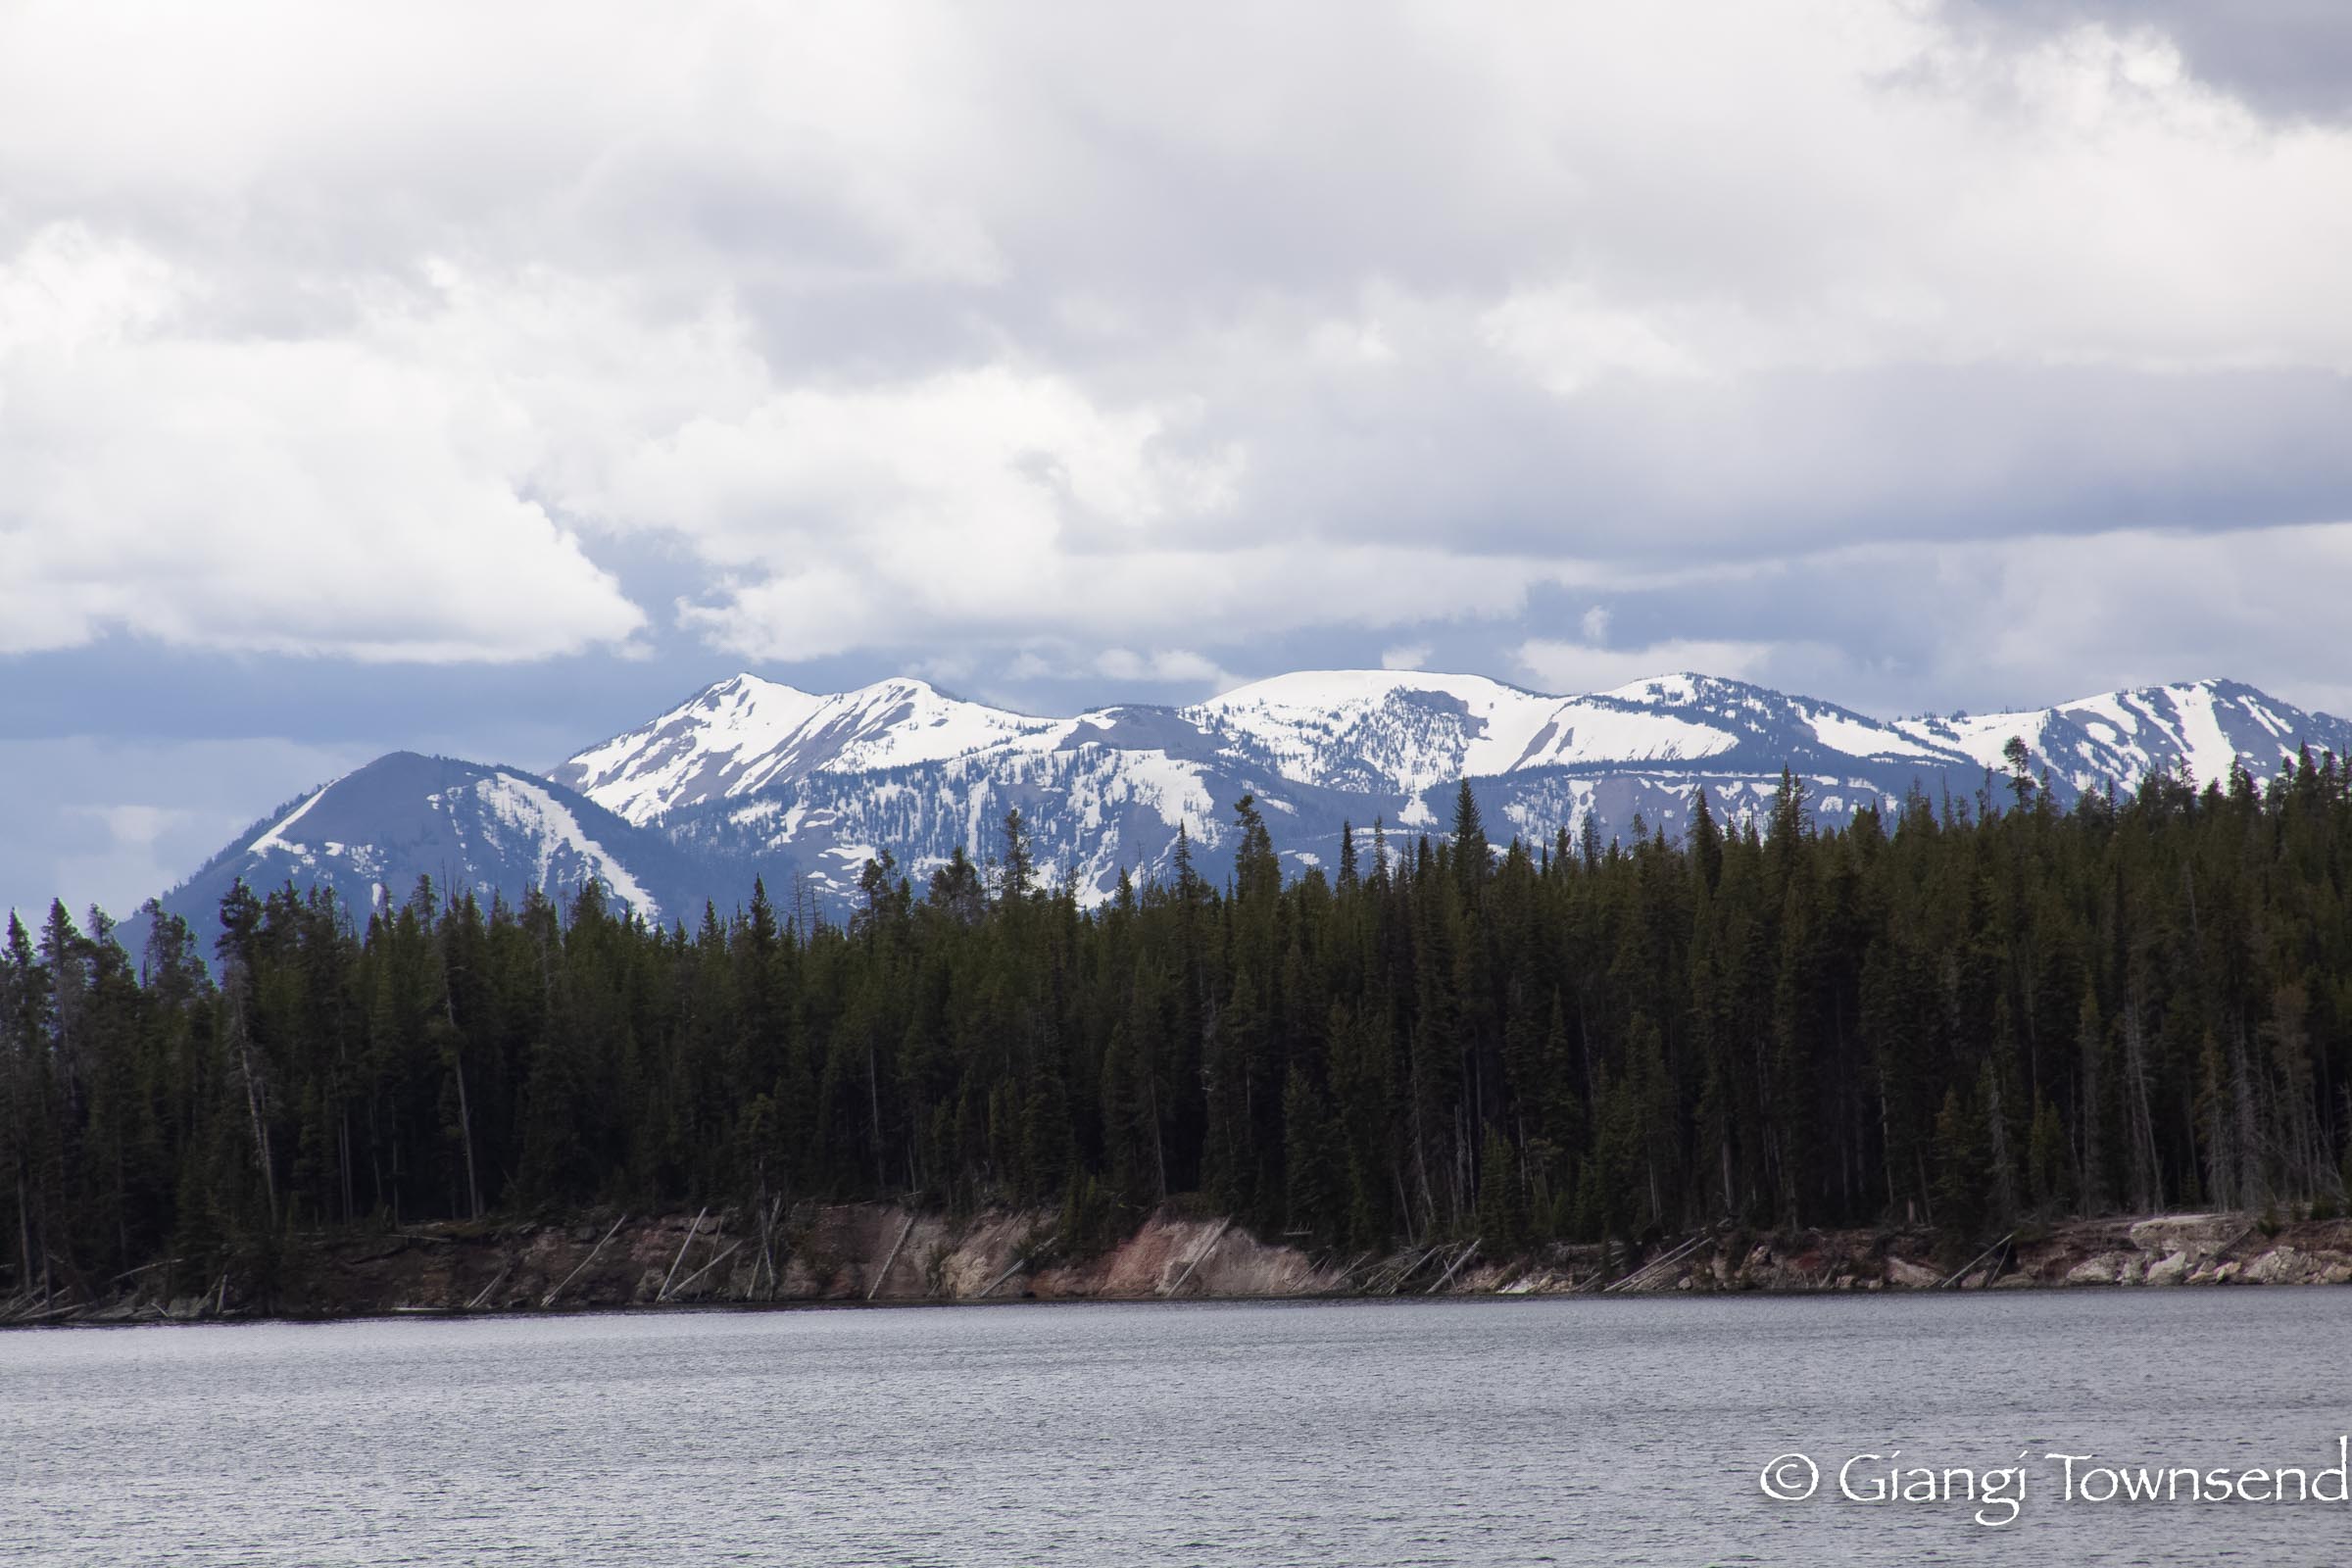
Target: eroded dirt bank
[876, 1251]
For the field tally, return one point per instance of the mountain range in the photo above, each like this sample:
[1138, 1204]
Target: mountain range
[753, 777]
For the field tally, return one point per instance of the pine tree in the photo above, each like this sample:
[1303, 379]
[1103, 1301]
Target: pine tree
[1311, 1160]
[1706, 841]
[1018, 872]
[1502, 1211]
[1473, 861]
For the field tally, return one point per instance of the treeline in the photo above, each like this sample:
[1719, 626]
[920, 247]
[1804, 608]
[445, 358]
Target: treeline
[1955, 1014]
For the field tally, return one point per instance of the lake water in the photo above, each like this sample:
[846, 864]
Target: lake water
[1568, 1431]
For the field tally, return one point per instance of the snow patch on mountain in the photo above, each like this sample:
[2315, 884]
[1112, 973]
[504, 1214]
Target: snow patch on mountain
[1588, 730]
[275, 838]
[694, 749]
[549, 831]
[746, 734]
[1855, 736]
[1406, 728]
[2122, 737]
[2209, 753]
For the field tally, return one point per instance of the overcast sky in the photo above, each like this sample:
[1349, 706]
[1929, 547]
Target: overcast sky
[483, 379]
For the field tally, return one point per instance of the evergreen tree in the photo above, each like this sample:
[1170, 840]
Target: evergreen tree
[1950, 1017]
[1472, 854]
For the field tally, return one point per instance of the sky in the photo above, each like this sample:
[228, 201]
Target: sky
[484, 380]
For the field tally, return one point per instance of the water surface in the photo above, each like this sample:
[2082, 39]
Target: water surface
[1458, 1432]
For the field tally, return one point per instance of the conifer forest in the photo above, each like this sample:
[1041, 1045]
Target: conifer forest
[1957, 1013]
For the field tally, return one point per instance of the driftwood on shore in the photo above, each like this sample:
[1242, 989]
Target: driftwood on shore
[550, 1298]
[687, 1282]
[883, 1273]
[1206, 1248]
[852, 1251]
[692, 1231]
[1656, 1268]
[1993, 1252]
[1456, 1268]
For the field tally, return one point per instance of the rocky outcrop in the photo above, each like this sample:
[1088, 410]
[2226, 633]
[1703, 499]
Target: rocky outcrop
[813, 1252]
[884, 1252]
[2155, 1250]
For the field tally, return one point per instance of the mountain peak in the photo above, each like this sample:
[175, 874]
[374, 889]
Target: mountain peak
[753, 774]
[370, 834]
[746, 734]
[1675, 688]
[743, 683]
[2207, 728]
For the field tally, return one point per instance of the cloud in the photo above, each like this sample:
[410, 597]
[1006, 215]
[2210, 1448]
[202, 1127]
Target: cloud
[2136, 607]
[2288, 58]
[113, 822]
[1050, 666]
[1164, 666]
[1572, 669]
[1994, 623]
[1406, 656]
[896, 331]
[318, 495]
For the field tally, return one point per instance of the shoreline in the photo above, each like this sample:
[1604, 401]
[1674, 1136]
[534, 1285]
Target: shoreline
[884, 1254]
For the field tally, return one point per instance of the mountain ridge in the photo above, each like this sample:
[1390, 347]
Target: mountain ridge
[1105, 790]
[749, 776]
[487, 828]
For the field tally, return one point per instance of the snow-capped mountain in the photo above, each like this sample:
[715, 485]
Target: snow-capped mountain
[750, 777]
[750, 771]
[2205, 726]
[1402, 730]
[753, 773]
[1368, 732]
[1091, 809]
[495, 830]
[745, 735]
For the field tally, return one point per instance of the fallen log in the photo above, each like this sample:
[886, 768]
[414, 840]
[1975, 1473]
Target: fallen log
[1966, 1268]
[1456, 1268]
[708, 1267]
[692, 1231]
[549, 1299]
[1206, 1248]
[883, 1273]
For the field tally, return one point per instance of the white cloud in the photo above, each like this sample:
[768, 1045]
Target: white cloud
[134, 827]
[1568, 341]
[974, 498]
[1165, 666]
[1571, 668]
[294, 497]
[898, 326]
[1406, 656]
[1047, 662]
[2136, 607]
